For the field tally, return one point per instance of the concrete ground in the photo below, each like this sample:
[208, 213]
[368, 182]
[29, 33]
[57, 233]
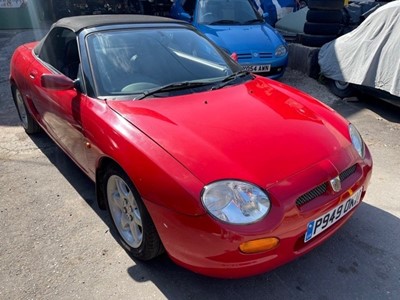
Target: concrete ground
[55, 243]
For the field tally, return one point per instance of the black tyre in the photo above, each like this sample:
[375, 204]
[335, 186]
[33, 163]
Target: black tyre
[324, 16]
[27, 121]
[325, 4]
[341, 89]
[315, 40]
[322, 28]
[130, 218]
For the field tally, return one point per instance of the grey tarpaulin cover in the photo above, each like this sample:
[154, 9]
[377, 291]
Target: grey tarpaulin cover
[370, 54]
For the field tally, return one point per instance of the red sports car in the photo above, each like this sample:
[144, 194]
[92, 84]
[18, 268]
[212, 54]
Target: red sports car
[230, 173]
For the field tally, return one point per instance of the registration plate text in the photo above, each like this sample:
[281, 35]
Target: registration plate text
[327, 220]
[257, 68]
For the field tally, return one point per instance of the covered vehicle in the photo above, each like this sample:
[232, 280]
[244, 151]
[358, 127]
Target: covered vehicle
[367, 58]
[230, 173]
[237, 27]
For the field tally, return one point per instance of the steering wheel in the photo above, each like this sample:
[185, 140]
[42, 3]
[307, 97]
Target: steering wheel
[207, 17]
[138, 87]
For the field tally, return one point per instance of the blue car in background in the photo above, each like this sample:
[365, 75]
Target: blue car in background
[277, 9]
[238, 28]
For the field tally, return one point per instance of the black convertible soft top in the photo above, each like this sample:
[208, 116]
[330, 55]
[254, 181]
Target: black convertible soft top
[81, 22]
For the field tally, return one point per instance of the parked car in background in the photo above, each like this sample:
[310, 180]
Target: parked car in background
[237, 27]
[366, 59]
[232, 174]
[276, 9]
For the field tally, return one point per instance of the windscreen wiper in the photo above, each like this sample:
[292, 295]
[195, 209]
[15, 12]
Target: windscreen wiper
[227, 80]
[173, 87]
[253, 21]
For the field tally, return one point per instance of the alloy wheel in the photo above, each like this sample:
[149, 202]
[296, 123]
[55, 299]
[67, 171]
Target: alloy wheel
[125, 211]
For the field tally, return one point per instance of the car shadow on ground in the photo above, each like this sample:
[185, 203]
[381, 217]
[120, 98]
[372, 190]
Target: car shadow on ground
[385, 110]
[360, 261]
[80, 182]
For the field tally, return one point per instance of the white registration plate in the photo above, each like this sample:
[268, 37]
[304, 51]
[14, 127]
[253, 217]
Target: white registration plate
[257, 68]
[327, 220]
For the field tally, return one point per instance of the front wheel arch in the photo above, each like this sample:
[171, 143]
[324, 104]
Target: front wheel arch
[102, 167]
[151, 246]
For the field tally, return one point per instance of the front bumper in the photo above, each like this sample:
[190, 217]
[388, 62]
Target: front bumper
[277, 69]
[209, 247]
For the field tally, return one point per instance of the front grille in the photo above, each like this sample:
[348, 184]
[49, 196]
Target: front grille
[321, 189]
[314, 193]
[346, 173]
[263, 55]
[244, 56]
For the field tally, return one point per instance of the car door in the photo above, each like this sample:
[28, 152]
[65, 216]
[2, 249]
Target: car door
[59, 109]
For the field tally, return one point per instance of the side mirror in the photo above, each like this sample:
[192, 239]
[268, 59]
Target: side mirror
[57, 82]
[184, 16]
[267, 18]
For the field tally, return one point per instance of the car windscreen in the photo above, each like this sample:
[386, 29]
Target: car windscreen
[135, 61]
[227, 12]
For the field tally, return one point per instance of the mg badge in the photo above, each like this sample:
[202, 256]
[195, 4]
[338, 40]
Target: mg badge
[336, 184]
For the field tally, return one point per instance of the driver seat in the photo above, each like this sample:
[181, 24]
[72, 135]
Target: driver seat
[71, 60]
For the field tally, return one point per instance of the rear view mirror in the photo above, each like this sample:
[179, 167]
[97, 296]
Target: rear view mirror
[267, 18]
[265, 15]
[185, 17]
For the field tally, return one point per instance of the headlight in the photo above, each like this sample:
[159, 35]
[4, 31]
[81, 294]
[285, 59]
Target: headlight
[280, 51]
[356, 140]
[235, 201]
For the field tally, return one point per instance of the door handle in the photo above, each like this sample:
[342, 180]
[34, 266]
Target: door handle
[33, 74]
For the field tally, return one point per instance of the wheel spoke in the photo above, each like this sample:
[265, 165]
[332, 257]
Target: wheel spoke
[125, 222]
[136, 217]
[122, 188]
[136, 233]
[125, 211]
[116, 197]
[131, 199]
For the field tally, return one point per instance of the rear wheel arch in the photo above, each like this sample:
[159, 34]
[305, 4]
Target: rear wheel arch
[28, 122]
[13, 84]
